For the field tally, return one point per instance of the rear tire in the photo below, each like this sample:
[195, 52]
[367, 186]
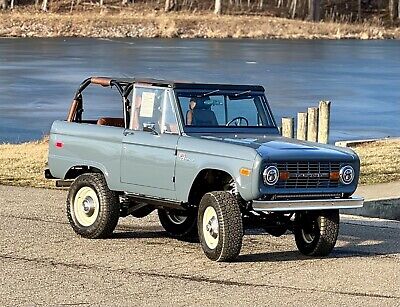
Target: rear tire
[92, 208]
[316, 232]
[220, 226]
[179, 224]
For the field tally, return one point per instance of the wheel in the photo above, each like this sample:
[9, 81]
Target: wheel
[92, 208]
[179, 224]
[220, 226]
[316, 232]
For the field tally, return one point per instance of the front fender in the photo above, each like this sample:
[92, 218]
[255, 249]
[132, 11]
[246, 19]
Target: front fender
[196, 155]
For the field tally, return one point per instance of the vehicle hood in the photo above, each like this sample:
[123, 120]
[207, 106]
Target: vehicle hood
[277, 148]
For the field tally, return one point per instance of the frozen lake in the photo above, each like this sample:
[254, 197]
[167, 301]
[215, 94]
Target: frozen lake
[362, 78]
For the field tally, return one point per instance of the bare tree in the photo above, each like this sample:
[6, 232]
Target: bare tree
[218, 7]
[359, 9]
[314, 8]
[294, 8]
[44, 5]
[170, 5]
[398, 9]
[392, 9]
[3, 4]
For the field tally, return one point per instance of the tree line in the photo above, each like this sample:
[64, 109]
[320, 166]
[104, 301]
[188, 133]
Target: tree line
[314, 10]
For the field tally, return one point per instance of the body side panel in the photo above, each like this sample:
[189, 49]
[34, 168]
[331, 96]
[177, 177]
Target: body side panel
[87, 145]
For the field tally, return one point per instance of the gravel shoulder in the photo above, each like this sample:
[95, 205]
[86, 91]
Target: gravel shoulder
[44, 262]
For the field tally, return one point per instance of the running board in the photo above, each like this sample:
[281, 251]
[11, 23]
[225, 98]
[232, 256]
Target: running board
[157, 202]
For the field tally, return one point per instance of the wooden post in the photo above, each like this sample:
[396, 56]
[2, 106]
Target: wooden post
[288, 127]
[323, 121]
[302, 126]
[312, 125]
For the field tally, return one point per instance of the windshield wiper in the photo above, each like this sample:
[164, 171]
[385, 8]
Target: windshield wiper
[242, 93]
[209, 93]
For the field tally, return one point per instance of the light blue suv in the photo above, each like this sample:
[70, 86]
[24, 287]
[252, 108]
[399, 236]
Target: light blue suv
[208, 157]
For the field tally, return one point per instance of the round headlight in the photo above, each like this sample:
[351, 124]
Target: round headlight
[346, 174]
[271, 175]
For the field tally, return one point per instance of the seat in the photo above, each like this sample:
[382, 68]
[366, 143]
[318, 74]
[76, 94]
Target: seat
[111, 121]
[201, 115]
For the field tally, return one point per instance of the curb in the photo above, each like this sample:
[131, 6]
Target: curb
[388, 209]
[365, 141]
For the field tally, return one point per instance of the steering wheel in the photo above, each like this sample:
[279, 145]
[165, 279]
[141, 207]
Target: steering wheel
[238, 121]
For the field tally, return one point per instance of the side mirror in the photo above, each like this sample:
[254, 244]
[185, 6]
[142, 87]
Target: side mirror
[150, 127]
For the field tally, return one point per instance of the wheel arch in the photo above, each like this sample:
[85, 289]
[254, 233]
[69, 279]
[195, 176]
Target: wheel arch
[207, 180]
[74, 171]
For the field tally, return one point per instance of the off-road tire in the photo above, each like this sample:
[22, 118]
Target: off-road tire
[186, 231]
[108, 209]
[230, 226]
[324, 227]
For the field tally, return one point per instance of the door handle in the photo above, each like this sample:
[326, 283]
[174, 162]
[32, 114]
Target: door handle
[127, 132]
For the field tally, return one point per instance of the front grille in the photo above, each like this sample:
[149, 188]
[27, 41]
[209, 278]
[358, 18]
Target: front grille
[303, 175]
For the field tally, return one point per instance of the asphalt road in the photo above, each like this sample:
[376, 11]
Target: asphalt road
[44, 262]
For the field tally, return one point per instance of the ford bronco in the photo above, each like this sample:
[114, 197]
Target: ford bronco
[208, 158]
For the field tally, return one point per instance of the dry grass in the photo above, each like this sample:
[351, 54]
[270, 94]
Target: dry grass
[24, 164]
[178, 24]
[380, 161]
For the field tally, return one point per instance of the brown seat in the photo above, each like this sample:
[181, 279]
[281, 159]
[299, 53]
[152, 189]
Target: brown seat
[111, 121]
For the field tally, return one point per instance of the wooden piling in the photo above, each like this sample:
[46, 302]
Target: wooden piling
[312, 125]
[301, 126]
[323, 121]
[288, 127]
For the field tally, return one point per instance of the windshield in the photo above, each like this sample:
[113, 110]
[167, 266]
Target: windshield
[224, 109]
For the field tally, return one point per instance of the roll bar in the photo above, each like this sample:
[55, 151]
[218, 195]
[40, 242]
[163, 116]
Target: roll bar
[76, 108]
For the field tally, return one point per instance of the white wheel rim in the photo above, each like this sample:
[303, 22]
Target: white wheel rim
[210, 227]
[86, 206]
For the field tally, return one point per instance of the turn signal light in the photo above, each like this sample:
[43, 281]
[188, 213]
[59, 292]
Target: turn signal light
[245, 172]
[334, 176]
[283, 175]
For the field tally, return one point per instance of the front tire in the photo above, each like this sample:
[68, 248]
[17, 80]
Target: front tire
[92, 208]
[220, 226]
[316, 232]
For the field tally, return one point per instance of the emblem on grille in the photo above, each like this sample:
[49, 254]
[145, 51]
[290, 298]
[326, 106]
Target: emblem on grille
[309, 175]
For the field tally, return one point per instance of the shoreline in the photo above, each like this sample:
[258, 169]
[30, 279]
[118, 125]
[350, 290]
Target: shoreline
[185, 25]
[24, 164]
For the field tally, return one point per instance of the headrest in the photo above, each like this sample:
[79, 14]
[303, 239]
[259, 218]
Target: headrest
[200, 103]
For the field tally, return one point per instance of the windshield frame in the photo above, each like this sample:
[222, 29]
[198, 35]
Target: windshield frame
[227, 129]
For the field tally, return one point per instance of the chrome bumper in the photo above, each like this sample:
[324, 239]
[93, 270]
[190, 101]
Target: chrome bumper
[308, 204]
